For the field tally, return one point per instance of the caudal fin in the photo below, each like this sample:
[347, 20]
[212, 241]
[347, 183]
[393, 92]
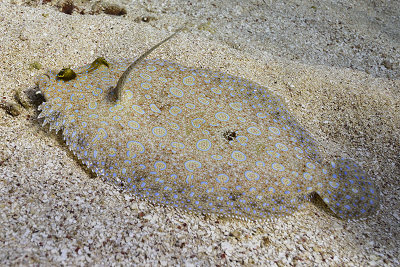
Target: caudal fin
[346, 192]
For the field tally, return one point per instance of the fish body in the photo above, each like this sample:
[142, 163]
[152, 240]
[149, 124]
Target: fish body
[200, 141]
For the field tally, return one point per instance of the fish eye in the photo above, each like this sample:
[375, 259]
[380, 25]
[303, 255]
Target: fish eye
[66, 74]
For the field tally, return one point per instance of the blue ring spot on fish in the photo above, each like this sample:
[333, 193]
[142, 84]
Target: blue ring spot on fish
[236, 106]
[160, 165]
[271, 189]
[307, 176]
[203, 101]
[222, 178]
[138, 109]
[222, 116]
[192, 165]
[151, 68]
[254, 130]
[190, 105]
[92, 105]
[238, 155]
[176, 91]
[175, 111]
[178, 145]
[146, 86]
[198, 122]
[97, 92]
[113, 152]
[274, 130]
[217, 157]
[145, 76]
[261, 115]
[278, 167]
[333, 184]
[189, 80]
[134, 148]
[203, 145]
[154, 108]
[251, 176]
[159, 131]
[216, 90]
[133, 125]
[281, 146]
[101, 133]
[310, 165]
[286, 181]
[260, 164]
[241, 119]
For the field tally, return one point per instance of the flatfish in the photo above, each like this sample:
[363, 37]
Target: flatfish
[198, 140]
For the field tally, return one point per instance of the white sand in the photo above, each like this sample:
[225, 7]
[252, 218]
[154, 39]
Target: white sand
[54, 213]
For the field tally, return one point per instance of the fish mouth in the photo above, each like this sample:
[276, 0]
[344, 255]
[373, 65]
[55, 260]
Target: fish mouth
[35, 96]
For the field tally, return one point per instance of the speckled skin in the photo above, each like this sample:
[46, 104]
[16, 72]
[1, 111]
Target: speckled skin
[200, 141]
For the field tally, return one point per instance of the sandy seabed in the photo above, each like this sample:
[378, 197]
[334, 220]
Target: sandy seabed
[345, 92]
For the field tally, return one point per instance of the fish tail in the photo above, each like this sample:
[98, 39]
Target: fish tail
[346, 192]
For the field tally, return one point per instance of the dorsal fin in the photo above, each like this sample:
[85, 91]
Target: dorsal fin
[122, 80]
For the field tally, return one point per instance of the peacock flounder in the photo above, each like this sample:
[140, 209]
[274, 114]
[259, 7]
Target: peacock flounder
[198, 140]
